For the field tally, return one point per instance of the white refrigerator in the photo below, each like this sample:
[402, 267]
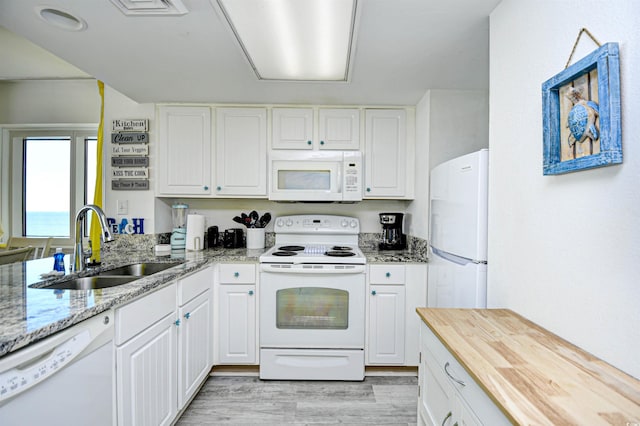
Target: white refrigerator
[458, 232]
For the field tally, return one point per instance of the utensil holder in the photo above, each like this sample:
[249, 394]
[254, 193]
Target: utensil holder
[255, 238]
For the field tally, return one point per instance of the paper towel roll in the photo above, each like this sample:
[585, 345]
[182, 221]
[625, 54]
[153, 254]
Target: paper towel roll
[195, 232]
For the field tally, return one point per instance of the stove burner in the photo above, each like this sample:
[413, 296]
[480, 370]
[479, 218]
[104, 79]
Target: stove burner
[339, 253]
[284, 253]
[341, 248]
[290, 248]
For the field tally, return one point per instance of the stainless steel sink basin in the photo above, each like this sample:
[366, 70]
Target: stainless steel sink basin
[110, 278]
[88, 283]
[138, 269]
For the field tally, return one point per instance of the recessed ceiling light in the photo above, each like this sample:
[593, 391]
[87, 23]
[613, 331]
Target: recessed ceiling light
[293, 39]
[61, 19]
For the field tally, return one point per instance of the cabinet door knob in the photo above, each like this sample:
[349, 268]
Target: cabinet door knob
[187, 315]
[368, 189]
[308, 142]
[236, 274]
[321, 142]
[177, 323]
[206, 188]
[218, 188]
[373, 292]
[388, 274]
[250, 292]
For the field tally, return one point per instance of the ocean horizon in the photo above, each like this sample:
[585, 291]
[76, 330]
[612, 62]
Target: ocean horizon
[47, 224]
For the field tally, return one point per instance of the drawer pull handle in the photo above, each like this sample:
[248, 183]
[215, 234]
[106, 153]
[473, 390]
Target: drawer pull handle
[236, 274]
[458, 381]
[446, 418]
[187, 315]
[388, 274]
[250, 292]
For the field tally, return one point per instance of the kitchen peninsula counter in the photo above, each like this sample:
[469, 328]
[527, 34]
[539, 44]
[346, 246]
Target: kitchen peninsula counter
[31, 314]
[532, 375]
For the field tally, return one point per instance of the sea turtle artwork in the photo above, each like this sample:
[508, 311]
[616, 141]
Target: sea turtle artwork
[582, 118]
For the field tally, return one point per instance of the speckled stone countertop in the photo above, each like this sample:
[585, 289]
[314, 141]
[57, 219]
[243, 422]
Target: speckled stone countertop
[30, 314]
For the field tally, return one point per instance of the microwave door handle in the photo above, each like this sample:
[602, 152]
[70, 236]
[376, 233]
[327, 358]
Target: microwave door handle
[340, 178]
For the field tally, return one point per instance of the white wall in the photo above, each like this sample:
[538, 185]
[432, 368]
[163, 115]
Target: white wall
[49, 101]
[141, 203]
[459, 124]
[449, 123]
[564, 250]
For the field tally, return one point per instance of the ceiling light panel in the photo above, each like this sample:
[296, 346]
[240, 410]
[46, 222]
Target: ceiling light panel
[294, 39]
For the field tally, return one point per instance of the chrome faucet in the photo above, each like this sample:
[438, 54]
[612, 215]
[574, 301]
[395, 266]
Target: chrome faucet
[80, 256]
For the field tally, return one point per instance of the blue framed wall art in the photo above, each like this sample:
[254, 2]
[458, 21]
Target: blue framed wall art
[581, 114]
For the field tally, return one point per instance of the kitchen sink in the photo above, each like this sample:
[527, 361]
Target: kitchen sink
[109, 278]
[139, 269]
[88, 283]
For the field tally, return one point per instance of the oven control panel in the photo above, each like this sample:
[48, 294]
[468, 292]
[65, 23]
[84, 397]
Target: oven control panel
[317, 223]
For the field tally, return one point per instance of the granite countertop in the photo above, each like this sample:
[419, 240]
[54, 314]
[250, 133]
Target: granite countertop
[30, 314]
[532, 375]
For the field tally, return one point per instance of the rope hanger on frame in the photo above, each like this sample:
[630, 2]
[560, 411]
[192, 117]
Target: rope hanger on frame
[582, 30]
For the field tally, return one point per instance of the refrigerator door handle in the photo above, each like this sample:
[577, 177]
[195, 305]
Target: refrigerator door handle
[459, 260]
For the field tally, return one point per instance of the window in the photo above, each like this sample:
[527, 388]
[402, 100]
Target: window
[53, 175]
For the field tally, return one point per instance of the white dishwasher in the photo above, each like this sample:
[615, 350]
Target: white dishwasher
[65, 379]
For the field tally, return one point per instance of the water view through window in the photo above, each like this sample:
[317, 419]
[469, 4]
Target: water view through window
[47, 185]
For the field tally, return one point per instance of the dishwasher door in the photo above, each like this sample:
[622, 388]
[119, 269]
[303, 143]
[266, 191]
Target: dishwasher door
[66, 379]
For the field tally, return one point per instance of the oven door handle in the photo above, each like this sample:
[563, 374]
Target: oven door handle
[278, 268]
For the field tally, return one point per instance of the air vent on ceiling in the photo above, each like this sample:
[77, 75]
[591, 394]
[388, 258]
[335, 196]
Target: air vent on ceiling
[151, 7]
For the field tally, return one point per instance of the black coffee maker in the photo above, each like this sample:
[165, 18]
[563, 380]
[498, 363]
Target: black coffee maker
[392, 236]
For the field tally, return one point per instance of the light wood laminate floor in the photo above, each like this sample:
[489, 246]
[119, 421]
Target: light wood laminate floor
[250, 401]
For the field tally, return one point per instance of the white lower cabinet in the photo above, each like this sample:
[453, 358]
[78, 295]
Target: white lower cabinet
[395, 291]
[194, 343]
[236, 330]
[163, 350]
[447, 394]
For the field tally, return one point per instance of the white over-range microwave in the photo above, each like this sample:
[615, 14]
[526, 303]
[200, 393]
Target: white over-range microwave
[315, 176]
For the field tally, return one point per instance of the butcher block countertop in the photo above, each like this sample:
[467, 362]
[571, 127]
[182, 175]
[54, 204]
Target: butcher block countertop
[532, 375]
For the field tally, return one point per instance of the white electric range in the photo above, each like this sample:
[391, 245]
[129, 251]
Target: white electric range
[312, 300]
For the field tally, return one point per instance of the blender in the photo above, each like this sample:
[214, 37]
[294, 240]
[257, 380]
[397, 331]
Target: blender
[179, 232]
[392, 236]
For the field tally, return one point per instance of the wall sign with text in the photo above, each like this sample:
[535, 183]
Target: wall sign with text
[130, 155]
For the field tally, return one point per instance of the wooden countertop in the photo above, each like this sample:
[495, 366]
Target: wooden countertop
[532, 375]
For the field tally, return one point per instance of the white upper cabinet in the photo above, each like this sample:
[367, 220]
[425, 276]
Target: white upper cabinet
[292, 128]
[241, 152]
[388, 155]
[184, 150]
[339, 128]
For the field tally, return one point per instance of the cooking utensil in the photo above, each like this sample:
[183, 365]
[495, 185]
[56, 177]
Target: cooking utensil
[264, 220]
[254, 218]
[239, 220]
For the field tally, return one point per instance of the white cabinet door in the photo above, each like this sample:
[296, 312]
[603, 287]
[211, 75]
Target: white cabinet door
[416, 297]
[339, 128]
[237, 324]
[146, 376]
[292, 128]
[194, 346]
[386, 324]
[436, 396]
[241, 152]
[184, 150]
[385, 153]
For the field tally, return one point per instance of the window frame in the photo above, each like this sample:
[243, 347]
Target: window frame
[78, 175]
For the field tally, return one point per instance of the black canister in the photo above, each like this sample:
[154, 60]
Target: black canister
[213, 237]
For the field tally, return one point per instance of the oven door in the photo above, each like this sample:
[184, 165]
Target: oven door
[322, 310]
